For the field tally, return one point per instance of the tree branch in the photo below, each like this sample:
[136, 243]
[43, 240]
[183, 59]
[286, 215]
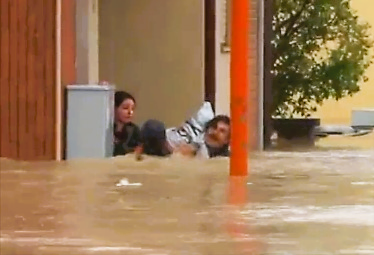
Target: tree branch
[293, 19]
[295, 28]
[291, 25]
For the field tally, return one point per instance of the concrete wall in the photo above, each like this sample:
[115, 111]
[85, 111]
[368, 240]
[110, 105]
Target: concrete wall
[223, 72]
[339, 112]
[87, 41]
[154, 49]
[222, 62]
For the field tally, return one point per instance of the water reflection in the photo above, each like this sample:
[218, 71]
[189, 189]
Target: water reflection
[319, 202]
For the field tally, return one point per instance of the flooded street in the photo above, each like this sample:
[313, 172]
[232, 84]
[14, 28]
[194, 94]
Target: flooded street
[312, 202]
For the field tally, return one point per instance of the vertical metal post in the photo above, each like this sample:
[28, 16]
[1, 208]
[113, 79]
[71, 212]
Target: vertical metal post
[239, 87]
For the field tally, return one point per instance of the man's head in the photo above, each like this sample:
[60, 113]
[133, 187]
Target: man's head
[218, 131]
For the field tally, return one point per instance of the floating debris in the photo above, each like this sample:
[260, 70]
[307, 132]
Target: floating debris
[125, 182]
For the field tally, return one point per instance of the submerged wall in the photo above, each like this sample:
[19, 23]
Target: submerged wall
[154, 50]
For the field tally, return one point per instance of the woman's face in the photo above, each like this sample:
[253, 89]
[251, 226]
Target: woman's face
[125, 112]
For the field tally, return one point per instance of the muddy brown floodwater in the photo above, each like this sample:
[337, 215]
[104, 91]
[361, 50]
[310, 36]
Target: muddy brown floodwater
[310, 202]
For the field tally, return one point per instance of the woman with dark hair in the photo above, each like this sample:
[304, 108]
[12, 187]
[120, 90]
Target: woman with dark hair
[128, 138]
[126, 133]
[152, 139]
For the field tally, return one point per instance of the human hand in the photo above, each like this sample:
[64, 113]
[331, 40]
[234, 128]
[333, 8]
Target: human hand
[139, 153]
[187, 150]
[115, 140]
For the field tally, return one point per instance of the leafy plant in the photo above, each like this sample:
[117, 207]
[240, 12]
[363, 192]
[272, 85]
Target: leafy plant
[321, 51]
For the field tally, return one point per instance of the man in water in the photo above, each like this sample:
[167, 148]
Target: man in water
[216, 140]
[214, 143]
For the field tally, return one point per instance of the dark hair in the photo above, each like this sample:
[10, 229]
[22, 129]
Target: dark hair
[224, 150]
[219, 118]
[154, 138]
[121, 96]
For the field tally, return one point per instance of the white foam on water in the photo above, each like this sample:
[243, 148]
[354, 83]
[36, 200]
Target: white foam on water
[47, 241]
[323, 154]
[359, 250]
[120, 248]
[362, 183]
[111, 248]
[77, 243]
[360, 215]
[125, 182]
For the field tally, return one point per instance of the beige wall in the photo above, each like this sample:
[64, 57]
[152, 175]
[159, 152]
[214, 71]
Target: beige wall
[154, 49]
[339, 112]
[222, 62]
[87, 41]
[223, 72]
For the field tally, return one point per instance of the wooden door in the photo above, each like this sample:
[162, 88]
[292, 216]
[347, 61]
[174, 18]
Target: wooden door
[27, 79]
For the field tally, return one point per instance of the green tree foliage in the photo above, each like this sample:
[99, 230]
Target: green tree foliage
[321, 50]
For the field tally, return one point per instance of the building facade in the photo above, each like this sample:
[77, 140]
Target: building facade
[170, 54]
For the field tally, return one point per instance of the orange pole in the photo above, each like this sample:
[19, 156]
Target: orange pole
[239, 72]
[237, 226]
